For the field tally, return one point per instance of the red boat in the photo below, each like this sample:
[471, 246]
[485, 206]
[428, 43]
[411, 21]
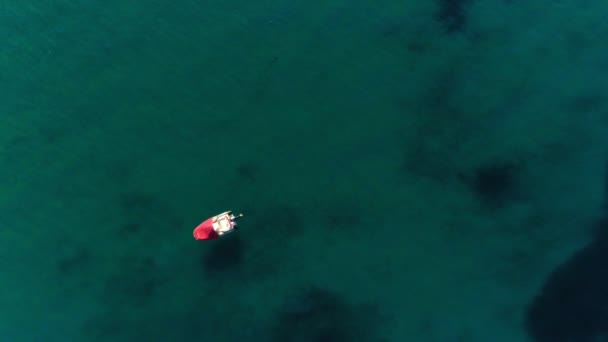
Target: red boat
[216, 226]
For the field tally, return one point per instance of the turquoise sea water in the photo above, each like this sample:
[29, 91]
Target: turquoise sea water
[408, 171]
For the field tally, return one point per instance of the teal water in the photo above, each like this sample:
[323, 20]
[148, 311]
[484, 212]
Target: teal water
[408, 171]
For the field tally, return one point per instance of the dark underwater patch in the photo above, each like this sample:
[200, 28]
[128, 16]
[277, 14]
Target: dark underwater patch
[314, 314]
[573, 303]
[136, 284]
[278, 221]
[119, 172]
[138, 204]
[129, 229]
[452, 15]
[586, 103]
[147, 214]
[247, 172]
[495, 183]
[343, 215]
[225, 255]
[606, 190]
[75, 263]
